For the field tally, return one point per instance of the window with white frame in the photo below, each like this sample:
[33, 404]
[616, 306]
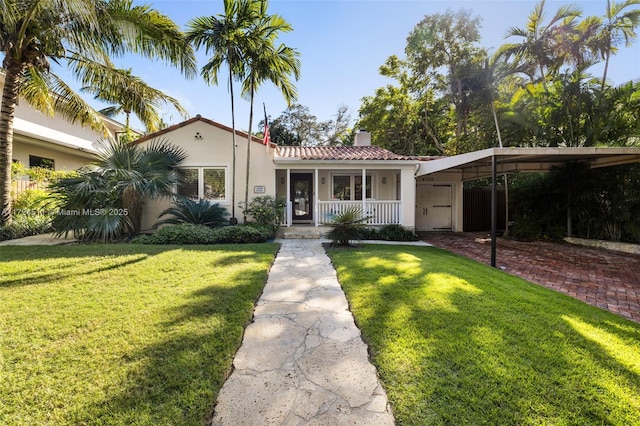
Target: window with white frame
[349, 187]
[207, 183]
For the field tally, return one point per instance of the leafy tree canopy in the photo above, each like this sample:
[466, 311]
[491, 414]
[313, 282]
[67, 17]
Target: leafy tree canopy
[449, 96]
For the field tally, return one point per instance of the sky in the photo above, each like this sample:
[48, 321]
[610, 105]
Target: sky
[342, 43]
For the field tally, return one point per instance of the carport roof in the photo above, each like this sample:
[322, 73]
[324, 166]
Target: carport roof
[478, 164]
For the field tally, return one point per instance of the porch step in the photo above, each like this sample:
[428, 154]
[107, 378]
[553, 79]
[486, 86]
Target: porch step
[302, 232]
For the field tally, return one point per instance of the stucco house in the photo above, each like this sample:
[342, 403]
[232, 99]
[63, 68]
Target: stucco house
[419, 193]
[317, 182]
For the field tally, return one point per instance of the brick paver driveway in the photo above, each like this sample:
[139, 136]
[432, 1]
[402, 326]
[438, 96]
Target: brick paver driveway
[607, 279]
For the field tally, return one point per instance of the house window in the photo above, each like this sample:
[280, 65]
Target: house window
[207, 183]
[342, 187]
[45, 163]
[350, 187]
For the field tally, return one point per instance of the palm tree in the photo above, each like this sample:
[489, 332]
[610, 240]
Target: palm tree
[265, 62]
[131, 94]
[84, 34]
[538, 50]
[104, 202]
[224, 36]
[619, 24]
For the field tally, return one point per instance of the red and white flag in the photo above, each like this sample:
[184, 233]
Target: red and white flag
[266, 140]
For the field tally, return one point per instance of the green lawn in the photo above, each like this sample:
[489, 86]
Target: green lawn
[122, 334]
[457, 342]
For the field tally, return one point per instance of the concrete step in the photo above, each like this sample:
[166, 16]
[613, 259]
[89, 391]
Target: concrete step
[302, 232]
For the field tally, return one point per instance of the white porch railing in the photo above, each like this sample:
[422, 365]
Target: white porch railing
[379, 212]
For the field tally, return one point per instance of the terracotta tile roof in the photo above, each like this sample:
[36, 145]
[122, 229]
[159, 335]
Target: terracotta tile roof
[344, 153]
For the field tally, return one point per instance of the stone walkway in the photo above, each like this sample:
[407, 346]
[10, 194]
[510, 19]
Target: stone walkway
[39, 240]
[302, 360]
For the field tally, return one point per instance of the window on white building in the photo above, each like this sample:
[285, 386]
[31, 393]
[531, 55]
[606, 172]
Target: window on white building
[207, 183]
[45, 163]
[349, 187]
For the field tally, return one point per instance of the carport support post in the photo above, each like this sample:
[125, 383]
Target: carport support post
[494, 209]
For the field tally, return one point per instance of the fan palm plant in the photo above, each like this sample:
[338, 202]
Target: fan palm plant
[82, 34]
[346, 226]
[104, 202]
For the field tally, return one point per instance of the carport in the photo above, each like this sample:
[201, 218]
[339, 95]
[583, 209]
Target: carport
[494, 161]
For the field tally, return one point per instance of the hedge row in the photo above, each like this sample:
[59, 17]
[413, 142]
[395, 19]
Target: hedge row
[200, 234]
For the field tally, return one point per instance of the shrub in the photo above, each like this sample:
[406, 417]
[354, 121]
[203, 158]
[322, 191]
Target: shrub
[366, 233]
[266, 210]
[396, 233]
[32, 200]
[186, 233]
[242, 234]
[27, 224]
[30, 216]
[200, 212]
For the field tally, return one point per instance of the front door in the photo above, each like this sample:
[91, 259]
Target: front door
[433, 207]
[301, 197]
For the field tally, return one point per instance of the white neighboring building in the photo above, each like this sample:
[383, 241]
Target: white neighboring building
[39, 140]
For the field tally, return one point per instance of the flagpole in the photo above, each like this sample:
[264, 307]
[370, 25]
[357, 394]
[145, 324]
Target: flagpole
[267, 136]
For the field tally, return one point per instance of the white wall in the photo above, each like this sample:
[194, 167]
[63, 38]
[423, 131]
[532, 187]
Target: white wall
[214, 148]
[64, 159]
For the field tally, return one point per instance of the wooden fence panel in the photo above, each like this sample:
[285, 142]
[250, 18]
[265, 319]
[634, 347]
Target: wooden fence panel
[19, 186]
[477, 210]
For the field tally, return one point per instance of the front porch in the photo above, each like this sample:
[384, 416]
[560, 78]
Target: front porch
[315, 196]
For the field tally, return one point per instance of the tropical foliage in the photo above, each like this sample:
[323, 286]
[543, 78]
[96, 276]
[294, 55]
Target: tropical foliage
[104, 202]
[598, 204]
[37, 35]
[244, 38]
[346, 226]
[200, 212]
[128, 95]
[450, 96]
[266, 210]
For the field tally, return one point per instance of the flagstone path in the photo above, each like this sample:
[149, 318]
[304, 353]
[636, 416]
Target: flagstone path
[302, 360]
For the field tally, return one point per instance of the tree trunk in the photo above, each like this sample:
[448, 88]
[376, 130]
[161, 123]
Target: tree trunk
[233, 219]
[246, 187]
[132, 202]
[10, 95]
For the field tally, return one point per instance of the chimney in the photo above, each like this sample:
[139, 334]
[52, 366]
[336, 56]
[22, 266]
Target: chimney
[363, 138]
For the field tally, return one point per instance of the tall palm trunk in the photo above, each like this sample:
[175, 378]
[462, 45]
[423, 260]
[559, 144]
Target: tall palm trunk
[233, 139]
[606, 69]
[607, 52]
[246, 187]
[132, 202]
[10, 94]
